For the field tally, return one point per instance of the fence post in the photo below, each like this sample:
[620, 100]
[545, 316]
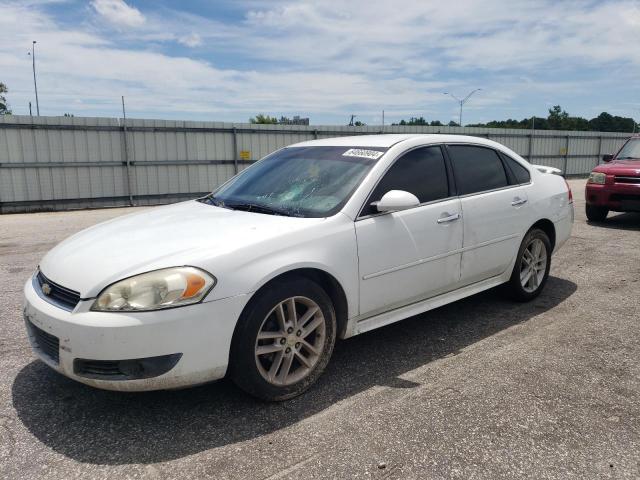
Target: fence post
[599, 151]
[531, 147]
[315, 134]
[126, 153]
[235, 150]
[566, 158]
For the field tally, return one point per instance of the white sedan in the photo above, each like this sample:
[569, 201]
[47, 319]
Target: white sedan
[320, 240]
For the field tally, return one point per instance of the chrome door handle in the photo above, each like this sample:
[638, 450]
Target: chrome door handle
[518, 201]
[449, 218]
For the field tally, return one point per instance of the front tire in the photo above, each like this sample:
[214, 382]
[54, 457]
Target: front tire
[595, 213]
[532, 266]
[284, 340]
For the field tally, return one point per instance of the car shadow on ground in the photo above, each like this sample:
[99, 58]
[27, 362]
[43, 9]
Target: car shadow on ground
[102, 427]
[620, 221]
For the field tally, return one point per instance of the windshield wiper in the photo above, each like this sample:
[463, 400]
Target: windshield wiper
[211, 200]
[626, 158]
[254, 207]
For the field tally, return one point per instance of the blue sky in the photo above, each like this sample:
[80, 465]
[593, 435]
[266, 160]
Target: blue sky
[228, 60]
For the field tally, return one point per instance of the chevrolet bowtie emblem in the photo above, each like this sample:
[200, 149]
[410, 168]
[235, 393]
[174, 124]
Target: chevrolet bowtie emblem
[46, 288]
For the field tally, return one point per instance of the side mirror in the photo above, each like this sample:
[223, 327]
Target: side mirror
[395, 200]
[607, 157]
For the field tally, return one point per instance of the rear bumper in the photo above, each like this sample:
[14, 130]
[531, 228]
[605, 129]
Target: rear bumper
[617, 197]
[563, 228]
[178, 347]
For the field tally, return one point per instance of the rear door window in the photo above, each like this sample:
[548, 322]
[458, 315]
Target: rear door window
[476, 169]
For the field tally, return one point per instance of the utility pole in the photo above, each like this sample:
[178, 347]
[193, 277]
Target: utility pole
[35, 85]
[462, 101]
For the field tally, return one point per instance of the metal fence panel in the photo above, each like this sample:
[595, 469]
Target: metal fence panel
[80, 162]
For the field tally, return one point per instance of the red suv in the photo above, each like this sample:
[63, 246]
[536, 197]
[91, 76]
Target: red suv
[616, 184]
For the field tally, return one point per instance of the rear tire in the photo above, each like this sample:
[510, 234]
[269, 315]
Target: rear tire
[532, 266]
[595, 213]
[284, 340]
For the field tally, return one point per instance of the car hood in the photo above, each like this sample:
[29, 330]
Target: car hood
[186, 233]
[620, 167]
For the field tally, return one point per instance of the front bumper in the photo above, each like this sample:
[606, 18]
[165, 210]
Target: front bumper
[201, 333]
[619, 197]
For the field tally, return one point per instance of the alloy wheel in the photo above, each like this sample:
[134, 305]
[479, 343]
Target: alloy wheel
[290, 341]
[533, 265]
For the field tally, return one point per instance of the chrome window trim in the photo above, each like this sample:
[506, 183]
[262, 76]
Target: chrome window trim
[467, 195]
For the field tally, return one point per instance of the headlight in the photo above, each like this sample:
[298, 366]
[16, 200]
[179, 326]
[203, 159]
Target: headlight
[597, 177]
[166, 288]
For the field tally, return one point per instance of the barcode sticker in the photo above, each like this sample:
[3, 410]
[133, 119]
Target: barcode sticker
[358, 152]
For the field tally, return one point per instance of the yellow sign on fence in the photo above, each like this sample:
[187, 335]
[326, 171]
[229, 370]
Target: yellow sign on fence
[245, 154]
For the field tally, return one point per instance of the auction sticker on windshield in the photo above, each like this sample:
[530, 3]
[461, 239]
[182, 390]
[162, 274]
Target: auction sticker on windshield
[358, 152]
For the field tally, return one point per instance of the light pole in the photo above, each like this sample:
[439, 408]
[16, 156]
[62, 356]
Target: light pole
[35, 85]
[462, 101]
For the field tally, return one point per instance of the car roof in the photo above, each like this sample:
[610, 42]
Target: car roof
[388, 140]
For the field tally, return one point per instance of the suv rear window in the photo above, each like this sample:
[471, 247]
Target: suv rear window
[476, 169]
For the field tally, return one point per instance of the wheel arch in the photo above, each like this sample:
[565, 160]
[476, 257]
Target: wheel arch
[324, 279]
[547, 227]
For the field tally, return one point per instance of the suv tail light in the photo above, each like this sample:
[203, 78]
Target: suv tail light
[569, 191]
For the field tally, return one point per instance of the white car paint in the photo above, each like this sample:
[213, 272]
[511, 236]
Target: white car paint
[389, 266]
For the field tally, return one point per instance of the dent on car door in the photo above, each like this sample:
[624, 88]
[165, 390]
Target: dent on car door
[494, 211]
[408, 255]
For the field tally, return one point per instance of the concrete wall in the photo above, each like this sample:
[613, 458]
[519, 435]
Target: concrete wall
[54, 163]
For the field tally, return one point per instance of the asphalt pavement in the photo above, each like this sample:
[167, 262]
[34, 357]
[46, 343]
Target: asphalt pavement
[483, 388]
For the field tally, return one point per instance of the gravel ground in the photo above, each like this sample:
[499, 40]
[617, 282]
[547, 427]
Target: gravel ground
[483, 388]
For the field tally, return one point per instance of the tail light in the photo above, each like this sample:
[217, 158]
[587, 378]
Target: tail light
[569, 191]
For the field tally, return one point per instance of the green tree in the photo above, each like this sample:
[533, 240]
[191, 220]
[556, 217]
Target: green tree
[557, 118]
[4, 105]
[265, 119]
[413, 121]
[417, 121]
[606, 122]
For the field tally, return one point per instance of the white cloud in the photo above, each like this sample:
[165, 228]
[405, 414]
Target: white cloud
[118, 13]
[192, 40]
[491, 35]
[327, 58]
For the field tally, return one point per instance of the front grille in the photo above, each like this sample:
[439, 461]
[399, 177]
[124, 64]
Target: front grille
[621, 179]
[46, 343]
[56, 294]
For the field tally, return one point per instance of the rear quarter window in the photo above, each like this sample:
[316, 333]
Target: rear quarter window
[520, 173]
